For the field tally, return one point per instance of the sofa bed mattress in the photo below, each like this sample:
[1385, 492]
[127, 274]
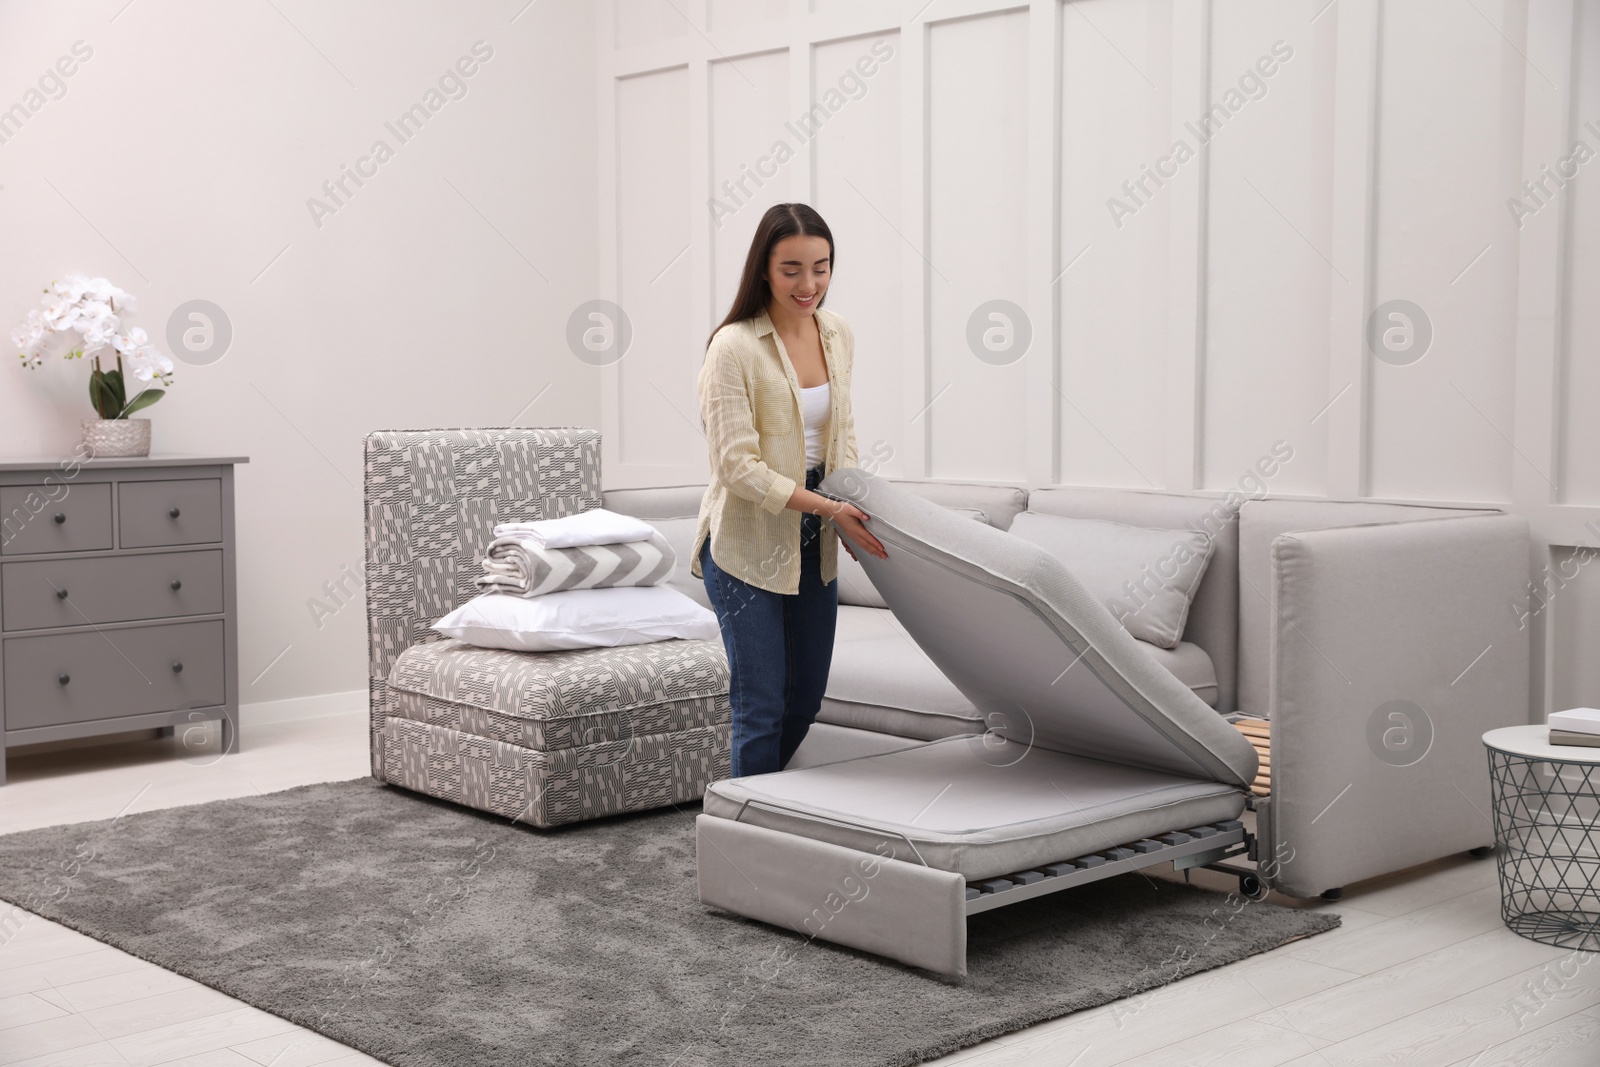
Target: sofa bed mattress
[978, 806]
[559, 700]
[562, 786]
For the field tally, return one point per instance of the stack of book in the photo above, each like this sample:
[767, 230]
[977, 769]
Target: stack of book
[1580, 726]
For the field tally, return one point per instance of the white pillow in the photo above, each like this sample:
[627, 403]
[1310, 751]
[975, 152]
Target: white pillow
[1147, 578]
[579, 618]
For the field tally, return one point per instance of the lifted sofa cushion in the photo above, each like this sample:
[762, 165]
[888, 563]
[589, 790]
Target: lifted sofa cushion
[1035, 652]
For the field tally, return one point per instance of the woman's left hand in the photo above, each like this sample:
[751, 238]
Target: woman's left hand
[851, 522]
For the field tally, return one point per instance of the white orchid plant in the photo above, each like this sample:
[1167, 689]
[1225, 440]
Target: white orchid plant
[89, 311]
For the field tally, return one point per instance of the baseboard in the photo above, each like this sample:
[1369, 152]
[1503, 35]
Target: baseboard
[316, 706]
[294, 709]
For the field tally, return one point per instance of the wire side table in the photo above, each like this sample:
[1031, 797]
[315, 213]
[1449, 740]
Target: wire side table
[1547, 833]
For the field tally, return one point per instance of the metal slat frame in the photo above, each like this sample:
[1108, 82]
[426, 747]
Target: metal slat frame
[1199, 852]
[1196, 852]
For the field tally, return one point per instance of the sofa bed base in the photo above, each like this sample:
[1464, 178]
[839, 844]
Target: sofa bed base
[1182, 848]
[900, 907]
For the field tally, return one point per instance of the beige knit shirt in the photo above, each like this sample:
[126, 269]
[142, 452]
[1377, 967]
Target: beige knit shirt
[750, 404]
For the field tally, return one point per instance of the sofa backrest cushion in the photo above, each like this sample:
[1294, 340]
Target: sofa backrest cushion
[656, 502]
[433, 498]
[1038, 654]
[1146, 576]
[999, 503]
[1261, 522]
[675, 511]
[1213, 621]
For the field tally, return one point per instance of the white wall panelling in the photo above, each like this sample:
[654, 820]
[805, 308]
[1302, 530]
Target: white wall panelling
[1115, 127]
[857, 186]
[1268, 254]
[1579, 473]
[653, 224]
[1450, 120]
[1197, 204]
[977, 236]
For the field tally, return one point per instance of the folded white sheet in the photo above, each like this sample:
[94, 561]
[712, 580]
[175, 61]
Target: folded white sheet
[597, 526]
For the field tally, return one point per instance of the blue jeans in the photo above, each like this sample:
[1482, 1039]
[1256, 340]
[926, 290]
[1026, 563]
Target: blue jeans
[779, 647]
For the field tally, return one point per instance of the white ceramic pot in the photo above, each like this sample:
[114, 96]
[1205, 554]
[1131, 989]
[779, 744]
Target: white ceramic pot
[117, 437]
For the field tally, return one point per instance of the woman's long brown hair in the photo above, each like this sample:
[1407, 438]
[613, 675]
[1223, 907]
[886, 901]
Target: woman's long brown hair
[780, 221]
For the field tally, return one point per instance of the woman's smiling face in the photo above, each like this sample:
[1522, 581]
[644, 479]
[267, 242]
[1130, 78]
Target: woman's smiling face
[798, 271]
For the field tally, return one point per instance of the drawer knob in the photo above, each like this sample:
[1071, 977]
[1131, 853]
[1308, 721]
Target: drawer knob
[63, 678]
[61, 594]
[177, 666]
[60, 518]
[177, 583]
[174, 513]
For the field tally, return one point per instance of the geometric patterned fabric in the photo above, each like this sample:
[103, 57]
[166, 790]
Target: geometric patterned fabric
[547, 737]
[1547, 835]
[552, 788]
[551, 700]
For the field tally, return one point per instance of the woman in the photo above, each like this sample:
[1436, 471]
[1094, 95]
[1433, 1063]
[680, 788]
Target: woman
[775, 403]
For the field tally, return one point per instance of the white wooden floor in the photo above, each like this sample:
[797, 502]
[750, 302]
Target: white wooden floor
[1422, 971]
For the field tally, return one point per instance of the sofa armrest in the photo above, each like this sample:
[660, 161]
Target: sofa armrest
[1393, 650]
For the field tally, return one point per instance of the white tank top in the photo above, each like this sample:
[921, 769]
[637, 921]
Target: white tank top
[814, 408]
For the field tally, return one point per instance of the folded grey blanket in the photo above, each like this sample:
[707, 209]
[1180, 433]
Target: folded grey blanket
[522, 567]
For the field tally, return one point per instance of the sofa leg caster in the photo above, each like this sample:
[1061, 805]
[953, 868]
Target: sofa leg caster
[1333, 894]
[1251, 887]
[1481, 850]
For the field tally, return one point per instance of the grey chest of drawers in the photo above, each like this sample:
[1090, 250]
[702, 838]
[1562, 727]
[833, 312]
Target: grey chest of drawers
[117, 598]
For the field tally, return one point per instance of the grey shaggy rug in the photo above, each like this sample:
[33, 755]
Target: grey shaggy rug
[429, 935]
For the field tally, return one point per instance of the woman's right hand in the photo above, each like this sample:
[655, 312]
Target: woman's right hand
[852, 524]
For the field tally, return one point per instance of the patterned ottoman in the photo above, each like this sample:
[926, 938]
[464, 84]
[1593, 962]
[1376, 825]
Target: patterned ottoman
[557, 737]
[539, 737]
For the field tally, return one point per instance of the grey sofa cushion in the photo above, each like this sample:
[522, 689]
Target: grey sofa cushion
[675, 511]
[855, 587]
[881, 680]
[1214, 615]
[656, 502]
[1188, 663]
[826, 743]
[999, 503]
[680, 535]
[1147, 577]
[1035, 651]
[974, 808]
[1261, 522]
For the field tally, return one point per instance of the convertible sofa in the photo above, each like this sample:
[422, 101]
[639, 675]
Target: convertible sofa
[1377, 638]
[1098, 759]
[1380, 641]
